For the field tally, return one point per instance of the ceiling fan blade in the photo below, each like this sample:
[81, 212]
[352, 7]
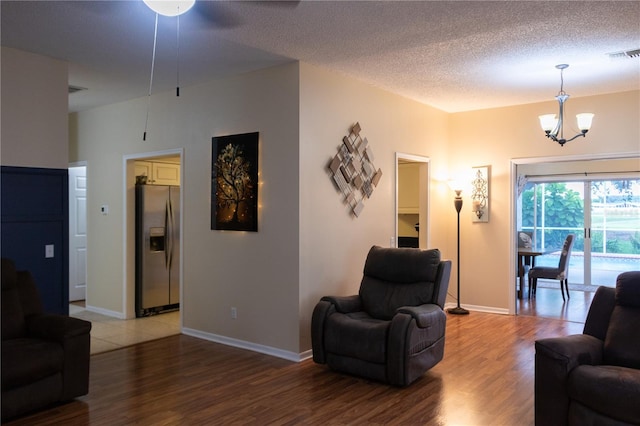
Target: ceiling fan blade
[277, 3]
[217, 14]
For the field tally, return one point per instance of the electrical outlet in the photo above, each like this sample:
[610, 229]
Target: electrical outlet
[234, 313]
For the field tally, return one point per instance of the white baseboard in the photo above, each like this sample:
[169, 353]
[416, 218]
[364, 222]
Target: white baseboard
[267, 350]
[477, 308]
[106, 312]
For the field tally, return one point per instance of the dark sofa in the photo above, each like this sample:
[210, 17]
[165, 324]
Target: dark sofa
[393, 330]
[594, 378]
[45, 358]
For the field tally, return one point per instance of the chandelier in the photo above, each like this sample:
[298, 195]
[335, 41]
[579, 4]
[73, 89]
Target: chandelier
[553, 125]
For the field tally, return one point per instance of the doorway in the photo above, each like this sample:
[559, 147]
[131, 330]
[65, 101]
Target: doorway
[412, 200]
[604, 216]
[595, 199]
[162, 168]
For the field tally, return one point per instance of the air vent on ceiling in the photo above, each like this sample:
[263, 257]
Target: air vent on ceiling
[74, 89]
[634, 53]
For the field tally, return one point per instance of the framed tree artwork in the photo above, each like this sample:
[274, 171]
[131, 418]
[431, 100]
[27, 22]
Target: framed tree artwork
[234, 182]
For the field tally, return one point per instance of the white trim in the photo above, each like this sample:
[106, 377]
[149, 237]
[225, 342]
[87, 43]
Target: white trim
[78, 164]
[254, 347]
[478, 308]
[513, 198]
[106, 312]
[587, 176]
[582, 157]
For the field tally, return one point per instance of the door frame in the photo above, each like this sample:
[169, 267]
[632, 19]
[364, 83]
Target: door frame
[514, 163]
[424, 198]
[129, 236]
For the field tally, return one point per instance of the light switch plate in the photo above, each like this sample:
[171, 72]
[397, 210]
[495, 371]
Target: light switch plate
[48, 251]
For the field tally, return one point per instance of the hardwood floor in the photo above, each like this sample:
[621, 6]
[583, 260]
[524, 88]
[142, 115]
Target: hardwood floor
[486, 378]
[548, 303]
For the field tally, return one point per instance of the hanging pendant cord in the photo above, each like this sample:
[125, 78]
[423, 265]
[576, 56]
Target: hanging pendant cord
[153, 61]
[178, 57]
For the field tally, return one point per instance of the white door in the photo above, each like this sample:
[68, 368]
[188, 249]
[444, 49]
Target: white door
[77, 233]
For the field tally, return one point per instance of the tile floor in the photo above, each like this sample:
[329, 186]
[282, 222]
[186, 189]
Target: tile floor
[109, 333]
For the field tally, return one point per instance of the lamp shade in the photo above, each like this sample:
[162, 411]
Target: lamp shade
[170, 7]
[548, 122]
[584, 121]
[455, 185]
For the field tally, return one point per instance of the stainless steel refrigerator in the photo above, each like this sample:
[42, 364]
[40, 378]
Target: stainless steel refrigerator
[157, 249]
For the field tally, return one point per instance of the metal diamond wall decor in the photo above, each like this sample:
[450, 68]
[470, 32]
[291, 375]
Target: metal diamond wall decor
[352, 170]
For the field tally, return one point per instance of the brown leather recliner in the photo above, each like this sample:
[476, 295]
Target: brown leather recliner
[393, 330]
[45, 358]
[594, 378]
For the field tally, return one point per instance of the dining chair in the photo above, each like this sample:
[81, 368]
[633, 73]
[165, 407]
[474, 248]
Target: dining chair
[561, 272]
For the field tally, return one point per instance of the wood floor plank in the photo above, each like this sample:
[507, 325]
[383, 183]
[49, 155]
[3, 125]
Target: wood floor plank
[486, 378]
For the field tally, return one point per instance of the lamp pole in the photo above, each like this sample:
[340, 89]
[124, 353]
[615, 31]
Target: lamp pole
[458, 310]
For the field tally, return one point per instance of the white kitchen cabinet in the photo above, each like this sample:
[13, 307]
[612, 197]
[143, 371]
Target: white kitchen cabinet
[158, 173]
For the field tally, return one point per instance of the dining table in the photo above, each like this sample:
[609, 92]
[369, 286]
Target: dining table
[524, 254]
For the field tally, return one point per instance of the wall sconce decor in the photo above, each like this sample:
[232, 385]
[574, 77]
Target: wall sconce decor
[480, 193]
[352, 170]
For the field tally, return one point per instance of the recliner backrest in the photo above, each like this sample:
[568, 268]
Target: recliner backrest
[13, 324]
[621, 345]
[19, 300]
[395, 277]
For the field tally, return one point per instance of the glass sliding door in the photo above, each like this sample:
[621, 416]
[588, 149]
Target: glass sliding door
[604, 215]
[551, 211]
[614, 234]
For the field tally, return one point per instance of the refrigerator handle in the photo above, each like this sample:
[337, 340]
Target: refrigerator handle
[170, 228]
[167, 233]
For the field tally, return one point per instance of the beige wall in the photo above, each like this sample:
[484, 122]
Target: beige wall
[308, 244]
[255, 272]
[34, 110]
[333, 243]
[498, 136]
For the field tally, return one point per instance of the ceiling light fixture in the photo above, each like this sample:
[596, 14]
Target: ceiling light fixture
[553, 126]
[170, 7]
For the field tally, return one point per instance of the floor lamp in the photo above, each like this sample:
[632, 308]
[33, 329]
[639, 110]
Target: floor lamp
[457, 202]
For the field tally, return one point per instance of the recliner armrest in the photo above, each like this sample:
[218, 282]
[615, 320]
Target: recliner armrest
[345, 304]
[555, 358]
[572, 350]
[425, 315]
[56, 327]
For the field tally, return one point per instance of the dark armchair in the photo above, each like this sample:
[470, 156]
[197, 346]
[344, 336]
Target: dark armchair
[393, 330]
[45, 358]
[594, 378]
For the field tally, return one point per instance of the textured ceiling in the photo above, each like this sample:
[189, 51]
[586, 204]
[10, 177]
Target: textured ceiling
[453, 55]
